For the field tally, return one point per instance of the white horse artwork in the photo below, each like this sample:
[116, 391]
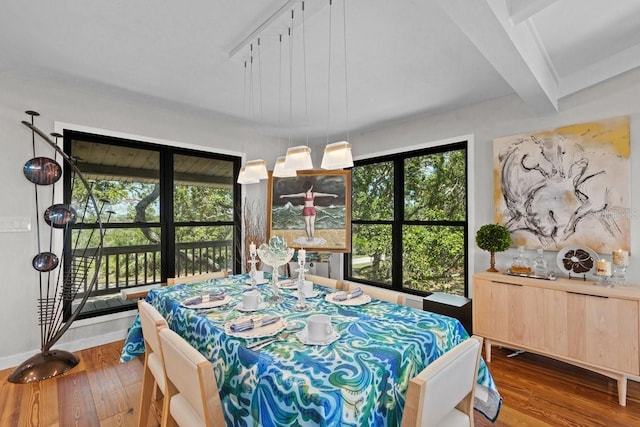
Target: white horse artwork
[565, 187]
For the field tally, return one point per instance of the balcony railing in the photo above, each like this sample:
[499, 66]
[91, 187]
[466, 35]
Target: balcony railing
[126, 267]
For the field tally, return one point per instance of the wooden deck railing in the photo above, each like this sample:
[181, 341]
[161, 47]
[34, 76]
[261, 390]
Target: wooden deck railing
[126, 267]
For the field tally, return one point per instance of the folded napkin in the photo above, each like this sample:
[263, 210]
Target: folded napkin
[342, 297]
[216, 296]
[248, 324]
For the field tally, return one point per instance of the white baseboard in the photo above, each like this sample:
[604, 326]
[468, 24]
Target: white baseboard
[80, 344]
[17, 359]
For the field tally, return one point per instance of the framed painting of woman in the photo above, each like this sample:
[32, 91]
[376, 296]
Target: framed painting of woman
[311, 210]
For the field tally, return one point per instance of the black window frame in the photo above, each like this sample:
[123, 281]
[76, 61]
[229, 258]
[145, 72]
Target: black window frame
[398, 220]
[166, 224]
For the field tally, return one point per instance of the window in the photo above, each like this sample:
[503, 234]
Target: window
[409, 221]
[166, 212]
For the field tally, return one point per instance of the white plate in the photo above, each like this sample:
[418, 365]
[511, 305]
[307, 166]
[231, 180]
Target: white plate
[303, 336]
[288, 284]
[260, 306]
[258, 282]
[209, 304]
[579, 260]
[262, 331]
[362, 299]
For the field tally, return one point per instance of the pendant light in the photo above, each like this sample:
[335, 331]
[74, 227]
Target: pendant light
[297, 158]
[243, 178]
[279, 169]
[337, 155]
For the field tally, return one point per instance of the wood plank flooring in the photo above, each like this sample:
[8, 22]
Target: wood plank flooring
[101, 391]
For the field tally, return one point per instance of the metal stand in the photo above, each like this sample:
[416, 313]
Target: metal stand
[43, 366]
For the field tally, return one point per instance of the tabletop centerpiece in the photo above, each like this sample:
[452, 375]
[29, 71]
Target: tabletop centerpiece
[275, 254]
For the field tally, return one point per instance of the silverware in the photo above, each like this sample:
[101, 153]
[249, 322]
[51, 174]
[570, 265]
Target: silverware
[260, 344]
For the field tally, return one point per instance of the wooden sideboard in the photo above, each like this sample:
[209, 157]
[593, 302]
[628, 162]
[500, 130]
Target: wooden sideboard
[577, 322]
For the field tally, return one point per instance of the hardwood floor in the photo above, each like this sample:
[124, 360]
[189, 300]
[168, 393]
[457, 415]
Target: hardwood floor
[538, 391]
[101, 391]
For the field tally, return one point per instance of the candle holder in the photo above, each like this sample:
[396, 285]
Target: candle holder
[619, 274]
[252, 272]
[604, 281]
[302, 299]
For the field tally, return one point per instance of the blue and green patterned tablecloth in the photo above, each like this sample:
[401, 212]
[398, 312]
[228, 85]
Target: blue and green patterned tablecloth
[359, 380]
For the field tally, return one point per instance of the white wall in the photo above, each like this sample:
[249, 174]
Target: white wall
[508, 116]
[77, 102]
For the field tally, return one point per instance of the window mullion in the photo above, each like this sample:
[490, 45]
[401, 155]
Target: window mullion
[398, 220]
[167, 227]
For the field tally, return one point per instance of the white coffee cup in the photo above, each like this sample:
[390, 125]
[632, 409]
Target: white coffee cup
[307, 288]
[251, 300]
[259, 275]
[319, 327]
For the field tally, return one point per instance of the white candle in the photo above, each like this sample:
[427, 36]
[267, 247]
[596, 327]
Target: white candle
[301, 255]
[620, 257]
[252, 249]
[603, 267]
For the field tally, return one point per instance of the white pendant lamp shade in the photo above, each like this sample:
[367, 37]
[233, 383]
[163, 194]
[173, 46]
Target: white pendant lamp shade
[244, 179]
[280, 171]
[337, 156]
[256, 169]
[299, 158]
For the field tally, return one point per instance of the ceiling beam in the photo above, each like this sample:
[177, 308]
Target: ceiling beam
[514, 51]
[600, 71]
[521, 10]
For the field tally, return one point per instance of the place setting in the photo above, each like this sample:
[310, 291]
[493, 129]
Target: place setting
[207, 300]
[255, 326]
[288, 284]
[355, 297]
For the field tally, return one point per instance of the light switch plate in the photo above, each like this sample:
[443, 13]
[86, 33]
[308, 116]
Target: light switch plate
[13, 224]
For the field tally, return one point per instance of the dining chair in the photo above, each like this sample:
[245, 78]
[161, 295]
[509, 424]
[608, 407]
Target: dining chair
[442, 393]
[375, 292]
[324, 281]
[153, 376]
[196, 277]
[192, 391]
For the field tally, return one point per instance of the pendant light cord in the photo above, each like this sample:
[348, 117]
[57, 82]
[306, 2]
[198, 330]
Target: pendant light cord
[304, 72]
[291, 80]
[346, 91]
[329, 76]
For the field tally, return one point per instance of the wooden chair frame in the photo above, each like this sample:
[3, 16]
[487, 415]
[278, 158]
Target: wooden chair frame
[196, 277]
[325, 281]
[419, 386]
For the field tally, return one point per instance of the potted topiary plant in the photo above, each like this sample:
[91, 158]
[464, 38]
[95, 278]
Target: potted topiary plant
[493, 238]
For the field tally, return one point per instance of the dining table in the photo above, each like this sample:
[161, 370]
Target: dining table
[275, 375]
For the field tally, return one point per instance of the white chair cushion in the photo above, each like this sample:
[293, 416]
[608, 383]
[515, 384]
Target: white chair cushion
[448, 379]
[157, 369]
[183, 413]
[455, 418]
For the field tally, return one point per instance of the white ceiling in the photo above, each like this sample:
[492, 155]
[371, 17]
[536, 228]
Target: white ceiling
[405, 58]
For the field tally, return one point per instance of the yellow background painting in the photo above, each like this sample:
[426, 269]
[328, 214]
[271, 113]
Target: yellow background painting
[567, 186]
